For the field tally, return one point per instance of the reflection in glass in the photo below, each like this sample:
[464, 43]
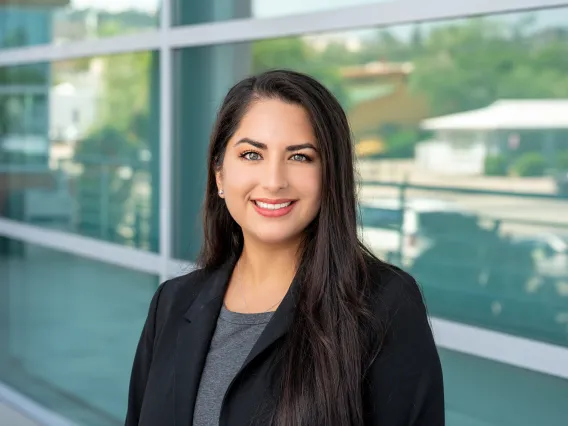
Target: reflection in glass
[33, 22]
[69, 328]
[199, 11]
[490, 258]
[460, 132]
[79, 146]
[483, 392]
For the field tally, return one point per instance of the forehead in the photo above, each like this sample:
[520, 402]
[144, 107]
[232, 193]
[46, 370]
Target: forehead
[272, 121]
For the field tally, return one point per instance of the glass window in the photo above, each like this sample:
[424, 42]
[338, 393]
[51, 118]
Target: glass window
[461, 124]
[480, 392]
[376, 216]
[79, 146]
[33, 22]
[69, 329]
[199, 11]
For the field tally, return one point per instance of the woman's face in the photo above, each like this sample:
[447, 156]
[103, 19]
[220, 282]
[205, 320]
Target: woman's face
[271, 172]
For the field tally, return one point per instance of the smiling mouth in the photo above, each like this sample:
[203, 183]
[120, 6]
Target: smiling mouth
[272, 206]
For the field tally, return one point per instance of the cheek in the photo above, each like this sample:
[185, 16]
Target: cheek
[308, 183]
[236, 179]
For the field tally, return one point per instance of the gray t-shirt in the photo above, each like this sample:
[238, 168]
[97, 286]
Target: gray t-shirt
[234, 337]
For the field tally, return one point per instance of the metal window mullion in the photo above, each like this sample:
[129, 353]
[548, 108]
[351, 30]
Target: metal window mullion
[497, 346]
[387, 13]
[89, 248]
[140, 42]
[166, 141]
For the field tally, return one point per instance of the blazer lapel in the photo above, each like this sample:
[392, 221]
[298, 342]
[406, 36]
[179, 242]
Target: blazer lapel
[278, 325]
[196, 331]
[193, 340]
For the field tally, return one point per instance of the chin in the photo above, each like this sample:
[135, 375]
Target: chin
[276, 237]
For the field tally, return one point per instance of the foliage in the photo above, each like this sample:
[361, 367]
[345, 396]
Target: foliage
[108, 142]
[400, 143]
[471, 64]
[113, 144]
[294, 53]
[126, 88]
[121, 129]
[32, 74]
[530, 164]
[562, 161]
[458, 65]
[529, 65]
[495, 165]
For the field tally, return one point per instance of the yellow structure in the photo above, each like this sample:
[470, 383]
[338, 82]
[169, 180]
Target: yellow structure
[380, 96]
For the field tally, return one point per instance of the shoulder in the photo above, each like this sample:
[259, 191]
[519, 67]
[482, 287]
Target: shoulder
[186, 283]
[393, 289]
[181, 289]
[399, 307]
[174, 296]
[407, 353]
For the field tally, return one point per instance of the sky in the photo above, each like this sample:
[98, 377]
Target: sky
[267, 8]
[117, 5]
[261, 8]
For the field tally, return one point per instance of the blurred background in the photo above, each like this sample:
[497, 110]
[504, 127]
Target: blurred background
[459, 113]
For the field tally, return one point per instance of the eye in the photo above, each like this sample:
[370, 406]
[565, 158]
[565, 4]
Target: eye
[300, 157]
[251, 156]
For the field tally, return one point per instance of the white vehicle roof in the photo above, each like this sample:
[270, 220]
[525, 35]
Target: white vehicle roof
[416, 204]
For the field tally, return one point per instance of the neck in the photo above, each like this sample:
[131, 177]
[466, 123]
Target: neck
[269, 266]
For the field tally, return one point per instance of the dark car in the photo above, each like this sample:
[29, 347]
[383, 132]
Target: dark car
[561, 181]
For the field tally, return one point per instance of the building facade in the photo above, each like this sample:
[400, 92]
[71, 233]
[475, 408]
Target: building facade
[105, 113]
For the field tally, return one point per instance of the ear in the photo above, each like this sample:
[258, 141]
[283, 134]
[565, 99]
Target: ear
[219, 180]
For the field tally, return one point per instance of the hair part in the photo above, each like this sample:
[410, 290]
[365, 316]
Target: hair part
[328, 346]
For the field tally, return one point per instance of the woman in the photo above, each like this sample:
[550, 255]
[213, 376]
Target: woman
[289, 320]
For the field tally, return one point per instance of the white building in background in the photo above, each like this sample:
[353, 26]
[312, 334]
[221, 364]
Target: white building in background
[72, 111]
[73, 103]
[462, 141]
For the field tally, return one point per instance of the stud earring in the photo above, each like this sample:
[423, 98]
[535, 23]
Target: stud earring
[221, 192]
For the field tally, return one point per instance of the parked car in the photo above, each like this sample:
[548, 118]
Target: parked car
[549, 251]
[399, 233]
[561, 181]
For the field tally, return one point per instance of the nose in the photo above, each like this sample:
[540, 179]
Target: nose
[275, 177]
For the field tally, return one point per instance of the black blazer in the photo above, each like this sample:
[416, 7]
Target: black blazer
[403, 386]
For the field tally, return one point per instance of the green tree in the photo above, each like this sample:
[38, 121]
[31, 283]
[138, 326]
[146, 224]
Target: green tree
[495, 165]
[401, 143]
[16, 38]
[561, 162]
[114, 142]
[468, 65]
[124, 101]
[530, 164]
[295, 54]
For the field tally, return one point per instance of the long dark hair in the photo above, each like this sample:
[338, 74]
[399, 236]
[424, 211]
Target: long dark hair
[328, 345]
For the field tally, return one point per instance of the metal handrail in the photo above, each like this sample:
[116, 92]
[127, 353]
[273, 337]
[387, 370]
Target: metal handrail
[462, 190]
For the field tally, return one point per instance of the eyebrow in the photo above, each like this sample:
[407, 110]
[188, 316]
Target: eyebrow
[261, 145]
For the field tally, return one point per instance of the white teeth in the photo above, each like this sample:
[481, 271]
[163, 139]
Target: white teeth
[272, 206]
